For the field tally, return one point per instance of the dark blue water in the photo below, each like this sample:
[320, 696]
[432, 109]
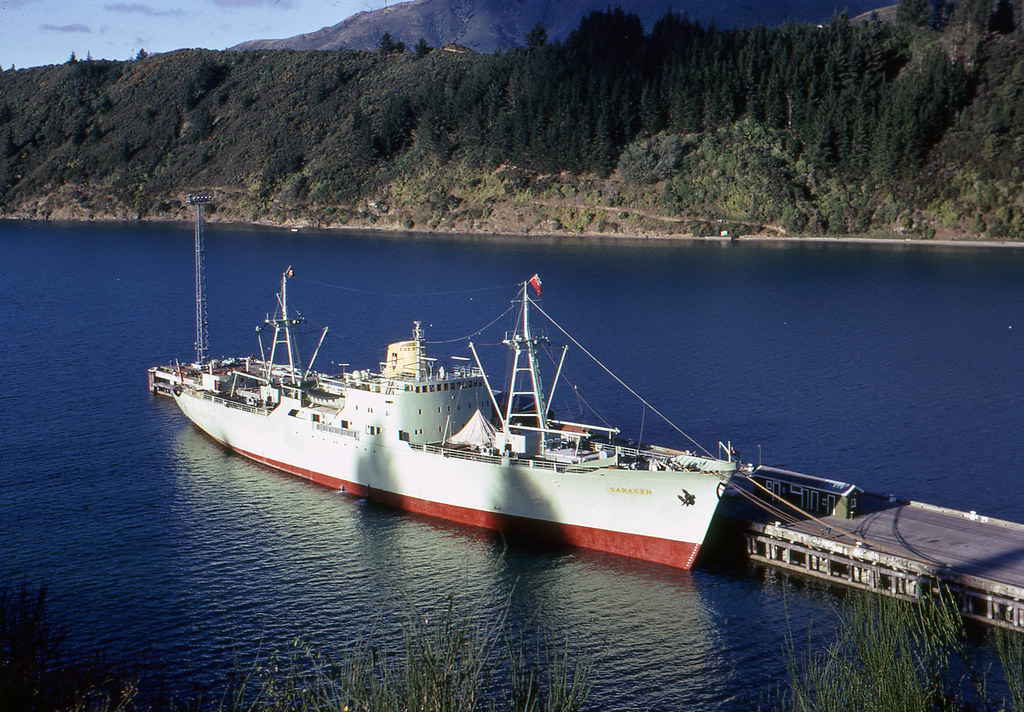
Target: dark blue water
[894, 367]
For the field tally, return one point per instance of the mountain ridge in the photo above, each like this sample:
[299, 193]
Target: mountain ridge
[490, 25]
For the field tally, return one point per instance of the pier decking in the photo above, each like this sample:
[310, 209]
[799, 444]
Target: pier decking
[897, 548]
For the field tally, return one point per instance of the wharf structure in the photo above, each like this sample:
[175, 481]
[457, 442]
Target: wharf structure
[888, 546]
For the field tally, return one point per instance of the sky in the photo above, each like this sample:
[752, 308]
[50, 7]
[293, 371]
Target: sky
[38, 32]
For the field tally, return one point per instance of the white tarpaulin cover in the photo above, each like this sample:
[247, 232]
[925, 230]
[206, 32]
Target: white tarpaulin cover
[477, 432]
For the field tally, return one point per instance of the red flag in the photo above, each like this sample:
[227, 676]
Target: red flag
[535, 283]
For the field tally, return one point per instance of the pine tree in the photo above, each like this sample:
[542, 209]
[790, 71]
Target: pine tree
[536, 37]
[913, 12]
[1002, 17]
[388, 44]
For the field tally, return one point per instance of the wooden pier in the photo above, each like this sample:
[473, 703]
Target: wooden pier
[897, 548]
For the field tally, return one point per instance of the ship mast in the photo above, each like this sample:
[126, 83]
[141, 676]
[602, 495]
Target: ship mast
[202, 339]
[282, 331]
[524, 345]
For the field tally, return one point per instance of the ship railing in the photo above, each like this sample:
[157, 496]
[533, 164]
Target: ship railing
[451, 372]
[626, 451]
[472, 456]
[332, 384]
[458, 454]
[292, 391]
[622, 452]
[275, 371]
[534, 464]
[227, 402]
[467, 372]
[633, 453]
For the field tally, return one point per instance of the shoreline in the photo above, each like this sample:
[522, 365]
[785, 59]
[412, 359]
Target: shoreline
[966, 241]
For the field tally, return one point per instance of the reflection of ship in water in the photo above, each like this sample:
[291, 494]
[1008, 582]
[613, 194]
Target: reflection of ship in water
[413, 434]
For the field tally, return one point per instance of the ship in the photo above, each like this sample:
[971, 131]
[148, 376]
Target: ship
[433, 436]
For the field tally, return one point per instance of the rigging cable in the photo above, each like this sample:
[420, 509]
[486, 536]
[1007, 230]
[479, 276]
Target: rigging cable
[407, 294]
[417, 294]
[621, 382]
[580, 400]
[475, 333]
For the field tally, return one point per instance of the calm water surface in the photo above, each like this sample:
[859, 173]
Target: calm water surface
[895, 367]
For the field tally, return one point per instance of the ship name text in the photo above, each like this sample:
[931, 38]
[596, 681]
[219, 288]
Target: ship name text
[628, 490]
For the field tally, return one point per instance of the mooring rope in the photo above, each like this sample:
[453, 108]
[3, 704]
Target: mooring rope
[831, 528]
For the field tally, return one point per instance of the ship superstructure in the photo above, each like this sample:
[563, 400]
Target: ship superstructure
[437, 439]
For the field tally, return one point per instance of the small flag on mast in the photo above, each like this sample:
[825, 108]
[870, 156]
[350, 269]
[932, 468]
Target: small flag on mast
[535, 283]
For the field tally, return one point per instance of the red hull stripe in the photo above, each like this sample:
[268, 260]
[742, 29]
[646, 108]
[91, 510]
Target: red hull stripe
[662, 551]
[679, 554]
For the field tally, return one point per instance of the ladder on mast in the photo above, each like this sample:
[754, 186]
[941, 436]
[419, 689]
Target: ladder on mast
[524, 345]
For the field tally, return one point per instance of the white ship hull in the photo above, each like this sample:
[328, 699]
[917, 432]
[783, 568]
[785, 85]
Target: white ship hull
[660, 516]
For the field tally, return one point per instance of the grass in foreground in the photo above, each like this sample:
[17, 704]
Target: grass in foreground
[447, 662]
[37, 670]
[887, 655]
[891, 655]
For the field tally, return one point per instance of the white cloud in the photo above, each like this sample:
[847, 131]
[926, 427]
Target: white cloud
[282, 4]
[139, 8]
[75, 27]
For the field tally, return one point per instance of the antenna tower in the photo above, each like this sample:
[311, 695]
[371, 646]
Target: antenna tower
[202, 340]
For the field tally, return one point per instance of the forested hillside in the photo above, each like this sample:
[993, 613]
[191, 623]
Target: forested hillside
[871, 128]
